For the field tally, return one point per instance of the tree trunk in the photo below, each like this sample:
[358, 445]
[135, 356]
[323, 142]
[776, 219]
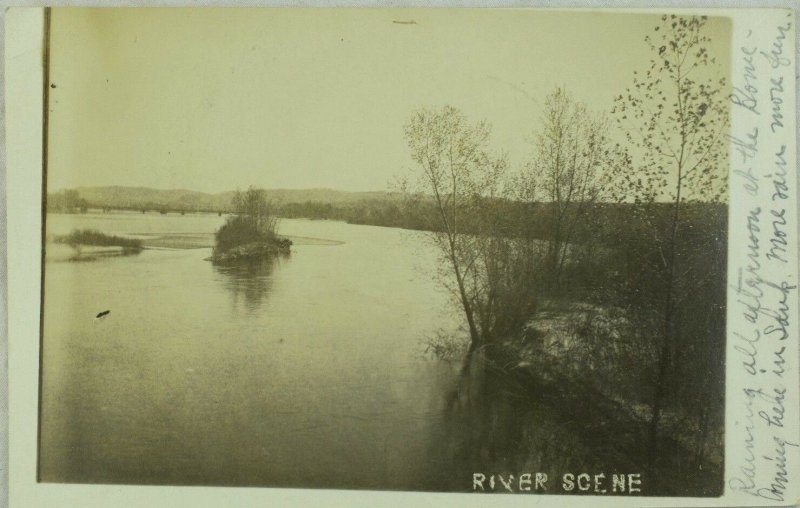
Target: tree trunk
[664, 353]
[474, 335]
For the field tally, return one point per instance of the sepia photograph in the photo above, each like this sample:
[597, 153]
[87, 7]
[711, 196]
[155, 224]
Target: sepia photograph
[443, 250]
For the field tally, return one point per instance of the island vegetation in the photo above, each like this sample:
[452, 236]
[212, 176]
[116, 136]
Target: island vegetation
[250, 232]
[92, 237]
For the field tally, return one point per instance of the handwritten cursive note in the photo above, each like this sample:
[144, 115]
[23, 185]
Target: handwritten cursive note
[763, 440]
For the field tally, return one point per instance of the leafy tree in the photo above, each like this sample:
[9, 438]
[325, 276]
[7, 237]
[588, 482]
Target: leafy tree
[675, 117]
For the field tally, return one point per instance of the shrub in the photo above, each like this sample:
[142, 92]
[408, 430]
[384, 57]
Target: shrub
[446, 346]
[239, 230]
[254, 222]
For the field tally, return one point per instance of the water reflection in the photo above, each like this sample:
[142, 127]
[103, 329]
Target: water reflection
[488, 412]
[509, 420]
[303, 375]
[502, 420]
[250, 281]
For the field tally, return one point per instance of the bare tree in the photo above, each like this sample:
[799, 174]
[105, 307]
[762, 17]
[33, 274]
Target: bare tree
[572, 152]
[254, 207]
[674, 116]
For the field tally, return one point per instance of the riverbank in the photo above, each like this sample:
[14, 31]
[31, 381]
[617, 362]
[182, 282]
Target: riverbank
[551, 369]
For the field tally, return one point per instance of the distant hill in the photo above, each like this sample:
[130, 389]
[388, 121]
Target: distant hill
[182, 199]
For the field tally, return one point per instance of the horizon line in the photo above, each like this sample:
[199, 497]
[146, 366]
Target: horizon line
[183, 189]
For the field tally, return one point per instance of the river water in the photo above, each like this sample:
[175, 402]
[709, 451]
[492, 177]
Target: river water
[306, 371]
[303, 371]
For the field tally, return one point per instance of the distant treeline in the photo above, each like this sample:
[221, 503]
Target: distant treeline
[607, 223]
[187, 201]
[373, 212]
[67, 201]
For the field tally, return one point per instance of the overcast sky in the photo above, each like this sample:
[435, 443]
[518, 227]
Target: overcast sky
[215, 99]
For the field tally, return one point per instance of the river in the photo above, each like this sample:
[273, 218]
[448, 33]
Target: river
[303, 371]
[306, 371]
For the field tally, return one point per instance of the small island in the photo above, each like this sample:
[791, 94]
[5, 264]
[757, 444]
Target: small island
[249, 234]
[91, 237]
[89, 244]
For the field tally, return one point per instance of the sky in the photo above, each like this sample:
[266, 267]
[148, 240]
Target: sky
[219, 99]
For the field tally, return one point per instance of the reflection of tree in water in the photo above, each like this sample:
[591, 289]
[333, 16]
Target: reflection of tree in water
[249, 281]
[504, 419]
[499, 426]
